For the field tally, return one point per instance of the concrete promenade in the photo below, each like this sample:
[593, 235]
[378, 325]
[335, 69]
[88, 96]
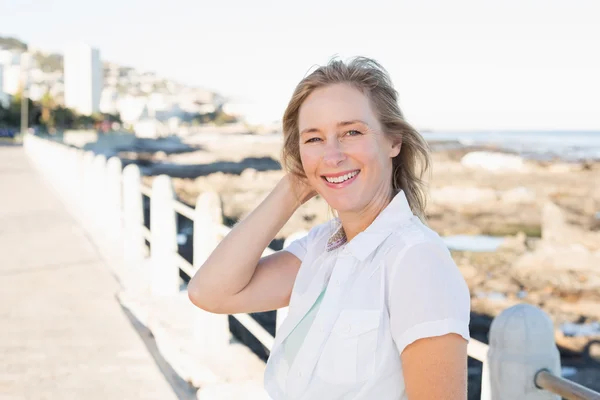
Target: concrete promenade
[63, 333]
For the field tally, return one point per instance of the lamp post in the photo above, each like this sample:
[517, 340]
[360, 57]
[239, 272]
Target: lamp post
[25, 62]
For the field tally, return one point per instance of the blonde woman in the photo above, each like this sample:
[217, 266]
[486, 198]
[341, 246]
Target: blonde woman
[377, 307]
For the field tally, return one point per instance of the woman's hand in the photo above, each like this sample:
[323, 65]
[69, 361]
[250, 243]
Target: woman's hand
[300, 188]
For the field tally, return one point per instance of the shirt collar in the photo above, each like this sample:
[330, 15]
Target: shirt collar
[394, 214]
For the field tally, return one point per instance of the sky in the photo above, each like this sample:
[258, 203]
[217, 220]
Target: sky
[457, 65]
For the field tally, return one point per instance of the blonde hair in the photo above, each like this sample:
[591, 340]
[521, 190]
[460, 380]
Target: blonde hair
[373, 81]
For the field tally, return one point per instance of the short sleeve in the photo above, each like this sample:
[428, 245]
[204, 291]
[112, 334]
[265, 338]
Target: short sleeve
[298, 245]
[428, 295]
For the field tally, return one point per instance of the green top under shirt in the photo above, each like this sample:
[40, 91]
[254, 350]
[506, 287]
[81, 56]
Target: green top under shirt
[296, 337]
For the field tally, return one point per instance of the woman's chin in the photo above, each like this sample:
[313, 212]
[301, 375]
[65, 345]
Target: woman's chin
[342, 204]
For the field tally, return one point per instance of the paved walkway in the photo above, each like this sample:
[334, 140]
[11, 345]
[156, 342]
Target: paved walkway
[63, 334]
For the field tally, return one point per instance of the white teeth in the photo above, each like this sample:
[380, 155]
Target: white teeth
[342, 178]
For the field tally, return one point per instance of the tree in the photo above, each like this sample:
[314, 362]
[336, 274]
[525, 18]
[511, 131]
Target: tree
[63, 117]
[47, 118]
[4, 112]
[83, 121]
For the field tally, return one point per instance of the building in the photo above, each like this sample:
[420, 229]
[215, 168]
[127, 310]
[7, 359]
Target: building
[4, 99]
[108, 100]
[11, 79]
[83, 78]
[10, 57]
[37, 91]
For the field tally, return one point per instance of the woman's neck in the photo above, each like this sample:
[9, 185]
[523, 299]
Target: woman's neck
[355, 222]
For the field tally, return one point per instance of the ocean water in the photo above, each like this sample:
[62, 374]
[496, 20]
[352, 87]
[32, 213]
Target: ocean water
[540, 145]
[478, 243]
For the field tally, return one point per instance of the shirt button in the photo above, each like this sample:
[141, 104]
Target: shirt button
[337, 282]
[299, 374]
[348, 328]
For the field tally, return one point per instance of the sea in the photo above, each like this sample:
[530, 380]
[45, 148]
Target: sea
[570, 146]
[563, 145]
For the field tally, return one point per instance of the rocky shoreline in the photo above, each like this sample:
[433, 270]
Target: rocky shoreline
[547, 211]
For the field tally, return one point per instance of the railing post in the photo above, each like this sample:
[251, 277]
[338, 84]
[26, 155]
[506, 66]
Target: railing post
[163, 244]
[71, 177]
[114, 196]
[78, 184]
[207, 217]
[99, 193]
[486, 388]
[211, 330]
[88, 186]
[133, 218]
[521, 344]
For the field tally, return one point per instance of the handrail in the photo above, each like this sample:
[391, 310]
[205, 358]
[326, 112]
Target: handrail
[256, 329]
[185, 265]
[146, 190]
[183, 209]
[565, 388]
[477, 350]
[223, 230]
[147, 234]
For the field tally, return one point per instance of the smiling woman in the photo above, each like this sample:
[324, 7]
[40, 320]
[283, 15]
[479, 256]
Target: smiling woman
[377, 307]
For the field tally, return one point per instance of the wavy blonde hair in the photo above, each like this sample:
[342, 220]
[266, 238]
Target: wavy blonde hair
[373, 81]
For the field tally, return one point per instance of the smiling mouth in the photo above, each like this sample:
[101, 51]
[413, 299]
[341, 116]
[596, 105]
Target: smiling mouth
[341, 179]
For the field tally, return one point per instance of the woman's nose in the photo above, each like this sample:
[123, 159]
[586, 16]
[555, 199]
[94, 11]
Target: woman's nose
[334, 154]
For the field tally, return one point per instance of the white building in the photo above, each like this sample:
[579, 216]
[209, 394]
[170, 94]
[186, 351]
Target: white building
[83, 78]
[4, 99]
[132, 108]
[108, 100]
[10, 57]
[11, 79]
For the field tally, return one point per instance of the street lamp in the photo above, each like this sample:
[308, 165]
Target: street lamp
[25, 63]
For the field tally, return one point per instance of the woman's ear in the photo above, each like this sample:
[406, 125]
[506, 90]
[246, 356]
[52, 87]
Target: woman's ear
[396, 147]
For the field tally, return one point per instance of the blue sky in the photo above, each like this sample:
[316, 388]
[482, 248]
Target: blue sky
[461, 64]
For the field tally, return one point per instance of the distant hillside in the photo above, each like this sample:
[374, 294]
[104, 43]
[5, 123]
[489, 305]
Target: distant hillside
[49, 62]
[12, 43]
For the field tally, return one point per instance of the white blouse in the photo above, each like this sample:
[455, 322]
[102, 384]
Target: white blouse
[392, 284]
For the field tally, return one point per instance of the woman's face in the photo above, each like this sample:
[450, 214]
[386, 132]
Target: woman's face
[345, 154]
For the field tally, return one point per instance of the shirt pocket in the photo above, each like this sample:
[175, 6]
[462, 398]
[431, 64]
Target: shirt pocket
[349, 355]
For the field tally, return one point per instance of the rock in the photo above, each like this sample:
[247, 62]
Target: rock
[496, 162]
[561, 168]
[566, 269]
[557, 230]
[457, 196]
[160, 156]
[249, 174]
[518, 195]
[517, 243]
[576, 343]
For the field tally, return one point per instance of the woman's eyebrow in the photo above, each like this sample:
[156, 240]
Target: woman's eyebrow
[339, 124]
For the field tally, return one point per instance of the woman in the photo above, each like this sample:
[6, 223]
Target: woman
[377, 308]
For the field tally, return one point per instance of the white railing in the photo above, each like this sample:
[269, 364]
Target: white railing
[521, 362]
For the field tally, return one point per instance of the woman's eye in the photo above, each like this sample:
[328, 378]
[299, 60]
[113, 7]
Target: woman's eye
[312, 140]
[353, 133]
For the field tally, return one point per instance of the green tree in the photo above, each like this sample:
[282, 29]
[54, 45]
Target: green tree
[83, 121]
[47, 116]
[63, 117]
[11, 116]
